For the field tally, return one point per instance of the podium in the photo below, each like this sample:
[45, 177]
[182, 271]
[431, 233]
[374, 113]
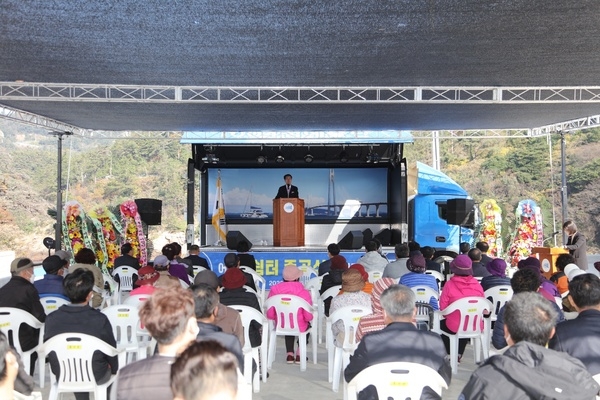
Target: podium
[288, 222]
[547, 257]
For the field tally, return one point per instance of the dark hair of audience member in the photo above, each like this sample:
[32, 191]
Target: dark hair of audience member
[166, 313]
[482, 246]
[206, 299]
[584, 289]
[78, 285]
[402, 250]
[333, 249]
[126, 248]
[464, 247]
[168, 250]
[85, 256]
[530, 317]
[176, 248]
[203, 371]
[414, 246]
[563, 260]
[525, 280]
[371, 246]
[427, 252]
[474, 254]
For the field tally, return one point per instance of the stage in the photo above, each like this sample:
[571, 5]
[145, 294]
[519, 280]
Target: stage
[270, 260]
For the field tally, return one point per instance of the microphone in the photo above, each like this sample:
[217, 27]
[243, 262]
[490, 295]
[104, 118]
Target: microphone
[555, 233]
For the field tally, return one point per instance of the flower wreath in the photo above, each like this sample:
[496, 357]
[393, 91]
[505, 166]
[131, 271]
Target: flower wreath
[491, 226]
[107, 226]
[132, 230]
[528, 232]
[75, 231]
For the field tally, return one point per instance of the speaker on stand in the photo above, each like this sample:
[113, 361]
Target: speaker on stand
[352, 241]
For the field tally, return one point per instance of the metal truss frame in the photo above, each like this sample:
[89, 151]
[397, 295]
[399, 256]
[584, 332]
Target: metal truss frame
[31, 91]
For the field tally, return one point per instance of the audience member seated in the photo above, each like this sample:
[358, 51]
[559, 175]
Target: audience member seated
[527, 369]
[368, 288]
[397, 268]
[479, 270]
[414, 248]
[428, 252]
[333, 249]
[483, 247]
[372, 260]
[234, 294]
[464, 247]
[20, 293]
[374, 322]
[205, 371]
[206, 301]
[571, 271]
[399, 341]
[246, 260]
[231, 260]
[21, 382]
[86, 259]
[549, 289]
[126, 259]
[461, 284]
[559, 278]
[497, 277]
[333, 278]
[580, 337]
[145, 283]
[524, 280]
[9, 368]
[195, 258]
[291, 285]
[176, 268]
[352, 285]
[165, 280]
[183, 261]
[228, 319]
[79, 317]
[52, 283]
[169, 317]
[416, 277]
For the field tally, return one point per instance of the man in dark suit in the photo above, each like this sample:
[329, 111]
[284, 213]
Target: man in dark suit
[484, 247]
[288, 190]
[580, 337]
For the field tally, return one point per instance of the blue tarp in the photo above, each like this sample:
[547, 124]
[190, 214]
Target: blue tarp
[432, 181]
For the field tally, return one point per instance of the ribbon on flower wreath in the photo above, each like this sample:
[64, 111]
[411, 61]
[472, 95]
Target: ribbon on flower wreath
[132, 229]
[106, 224]
[75, 224]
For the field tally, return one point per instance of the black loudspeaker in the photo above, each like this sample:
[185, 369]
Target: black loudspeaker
[460, 212]
[367, 236]
[150, 210]
[234, 238]
[384, 236]
[396, 237]
[352, 241]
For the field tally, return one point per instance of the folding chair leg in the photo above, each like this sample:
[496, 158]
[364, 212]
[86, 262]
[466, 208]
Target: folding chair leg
[337, 368]
[303, 352]
[454, 353]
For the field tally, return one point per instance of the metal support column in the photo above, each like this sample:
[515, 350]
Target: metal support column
[191, 174]
[563, 187]
[59, 205]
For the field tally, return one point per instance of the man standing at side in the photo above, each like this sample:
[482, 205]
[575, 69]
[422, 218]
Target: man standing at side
[580, 337]
[400, 340]
[529, 370]
[20, 293]
[288, 190]
[79, 317]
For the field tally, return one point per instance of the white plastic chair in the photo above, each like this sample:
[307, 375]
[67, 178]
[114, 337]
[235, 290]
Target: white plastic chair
[197, 269]
[338, 354]
[439, 277]
[498, 296]
[375, 275]
[52, 303]
[74, 352]
[424, 294]
[286, 308]
[307, 273]
[472, 310]
[313, 285]
[249, 314]
[331, 292]
[125, 321]
[396, 380]
[125, 279]
[146, 342]
[111, 296]
[259, 282]
[10, 321]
